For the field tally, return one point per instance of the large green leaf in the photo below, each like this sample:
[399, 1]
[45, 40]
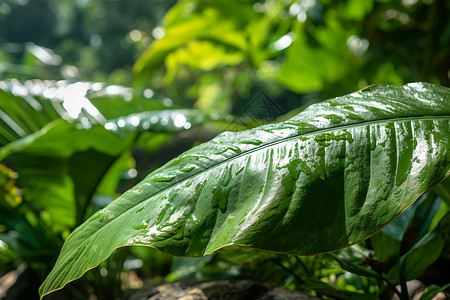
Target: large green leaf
[327, 178]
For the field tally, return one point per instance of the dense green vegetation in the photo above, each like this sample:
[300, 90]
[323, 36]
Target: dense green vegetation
[95, 95]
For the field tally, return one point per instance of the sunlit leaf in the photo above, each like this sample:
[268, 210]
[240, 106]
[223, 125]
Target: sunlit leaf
[170, 120]
[311, 67]
[328, 178]
[204, 25]
[25, 108]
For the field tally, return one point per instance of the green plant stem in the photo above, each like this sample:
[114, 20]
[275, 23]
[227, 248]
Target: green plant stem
[404, 293]
[303, 265]
[301, 281]
[388, 283]
[394, 289]
[308, 273]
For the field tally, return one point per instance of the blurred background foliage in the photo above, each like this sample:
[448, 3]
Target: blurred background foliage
[164, 75]
[216, 55]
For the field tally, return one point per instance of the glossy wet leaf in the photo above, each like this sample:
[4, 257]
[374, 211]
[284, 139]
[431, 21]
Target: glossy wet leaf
[327, 178]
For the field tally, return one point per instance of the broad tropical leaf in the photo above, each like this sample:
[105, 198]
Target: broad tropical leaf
[327, 178]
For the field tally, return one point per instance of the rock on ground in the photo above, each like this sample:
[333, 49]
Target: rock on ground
[220, 290]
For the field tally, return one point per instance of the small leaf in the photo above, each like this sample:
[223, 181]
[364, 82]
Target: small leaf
[419, 257]
[433, 290]
[351, 260]
[9, 194]
[443, 190]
